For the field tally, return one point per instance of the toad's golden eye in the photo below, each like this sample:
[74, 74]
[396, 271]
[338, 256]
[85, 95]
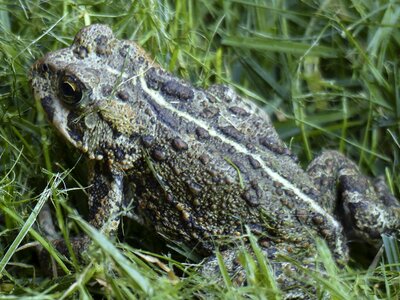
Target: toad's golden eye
[70, 89]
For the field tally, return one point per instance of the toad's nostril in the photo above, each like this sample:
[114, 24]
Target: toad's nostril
[44, 68]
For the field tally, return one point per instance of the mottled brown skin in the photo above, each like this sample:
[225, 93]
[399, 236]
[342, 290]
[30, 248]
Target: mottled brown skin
[198, 165]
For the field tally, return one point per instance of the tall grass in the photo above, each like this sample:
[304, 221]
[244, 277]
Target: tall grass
[326, 71]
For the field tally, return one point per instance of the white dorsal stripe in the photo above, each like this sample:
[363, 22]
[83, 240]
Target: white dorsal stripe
[158, 98]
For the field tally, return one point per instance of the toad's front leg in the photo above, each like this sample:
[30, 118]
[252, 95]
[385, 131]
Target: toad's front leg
[105, 197]
[105, 202]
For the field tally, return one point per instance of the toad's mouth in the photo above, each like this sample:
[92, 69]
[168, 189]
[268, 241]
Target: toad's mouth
[57, 114]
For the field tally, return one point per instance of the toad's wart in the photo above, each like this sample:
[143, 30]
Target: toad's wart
[198, 165]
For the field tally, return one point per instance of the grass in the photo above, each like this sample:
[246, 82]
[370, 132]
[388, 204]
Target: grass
[326, 71]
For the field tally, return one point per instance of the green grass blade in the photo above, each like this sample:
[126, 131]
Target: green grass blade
[109, 248]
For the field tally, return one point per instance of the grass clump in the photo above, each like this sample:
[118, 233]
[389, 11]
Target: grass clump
[326, 71]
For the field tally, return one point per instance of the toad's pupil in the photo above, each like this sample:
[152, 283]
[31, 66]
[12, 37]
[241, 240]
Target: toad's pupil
[68, 90]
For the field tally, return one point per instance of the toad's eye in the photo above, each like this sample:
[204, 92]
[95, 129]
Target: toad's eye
[70, 89]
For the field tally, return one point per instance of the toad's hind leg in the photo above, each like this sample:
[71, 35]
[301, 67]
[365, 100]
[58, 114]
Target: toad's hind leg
[366, 207]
